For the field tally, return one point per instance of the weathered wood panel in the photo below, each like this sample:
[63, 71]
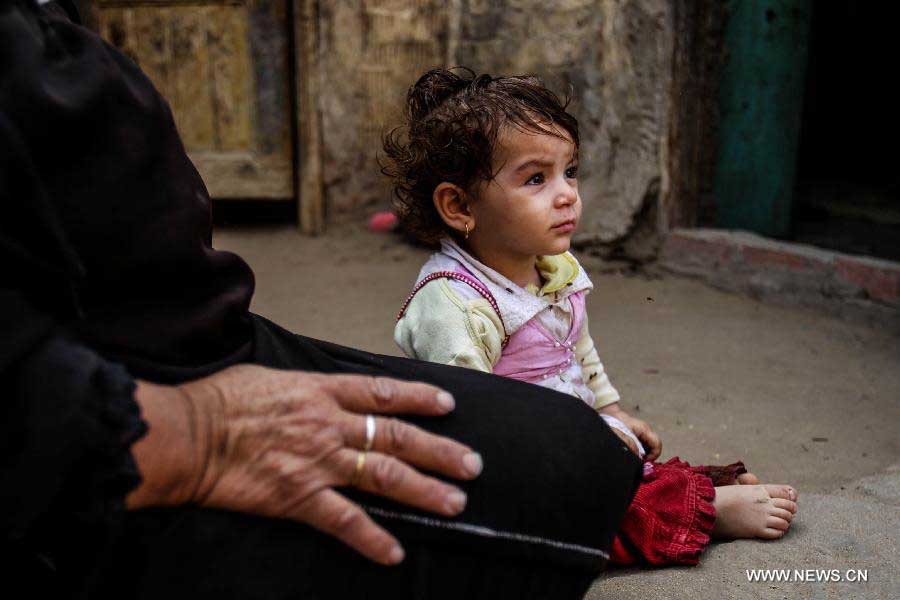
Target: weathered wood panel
[311, 205]
[697, 60]
[223, 66]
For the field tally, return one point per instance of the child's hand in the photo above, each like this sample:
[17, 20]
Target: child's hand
[641, 429]
[628, 441]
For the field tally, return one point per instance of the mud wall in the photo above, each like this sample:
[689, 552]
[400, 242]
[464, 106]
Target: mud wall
[614, 56]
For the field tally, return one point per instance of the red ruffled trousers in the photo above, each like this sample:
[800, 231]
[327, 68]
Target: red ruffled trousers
[672, 515]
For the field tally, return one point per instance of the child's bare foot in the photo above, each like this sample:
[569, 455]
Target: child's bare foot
[747, 479]
[754, 511]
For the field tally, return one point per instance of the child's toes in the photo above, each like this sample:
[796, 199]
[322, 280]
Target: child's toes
[781, 491]
[785, 504]
[770, 533]
[773, 522]
[781, 514]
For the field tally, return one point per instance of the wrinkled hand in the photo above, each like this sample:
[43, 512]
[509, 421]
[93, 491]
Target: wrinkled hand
[643, 431]
[277, 443]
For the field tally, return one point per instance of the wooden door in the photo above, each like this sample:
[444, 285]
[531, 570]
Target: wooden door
[224, 67]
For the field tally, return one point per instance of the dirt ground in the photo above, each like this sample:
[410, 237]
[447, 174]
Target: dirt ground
[800, 397]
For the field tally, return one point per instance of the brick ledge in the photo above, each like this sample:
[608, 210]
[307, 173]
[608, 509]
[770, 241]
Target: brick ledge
[787, 272]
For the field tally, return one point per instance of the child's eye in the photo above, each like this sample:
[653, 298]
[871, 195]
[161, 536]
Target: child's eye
[572, 172]
[536, 179]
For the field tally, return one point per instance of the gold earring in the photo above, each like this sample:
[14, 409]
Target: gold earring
[467, 230]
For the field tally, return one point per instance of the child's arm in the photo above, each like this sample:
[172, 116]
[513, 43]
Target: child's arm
[607, 397]
[439, 326]
[592, 370]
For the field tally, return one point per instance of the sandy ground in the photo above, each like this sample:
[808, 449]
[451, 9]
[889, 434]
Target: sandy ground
[800, 397]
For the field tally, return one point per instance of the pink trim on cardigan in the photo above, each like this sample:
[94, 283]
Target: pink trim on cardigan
[532, 353]
[465, 278]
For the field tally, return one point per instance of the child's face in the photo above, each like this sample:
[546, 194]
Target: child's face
[532, 206]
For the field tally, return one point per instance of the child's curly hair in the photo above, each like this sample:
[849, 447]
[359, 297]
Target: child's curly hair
[452, 126]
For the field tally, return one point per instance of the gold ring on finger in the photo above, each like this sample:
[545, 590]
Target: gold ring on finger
[360, 464]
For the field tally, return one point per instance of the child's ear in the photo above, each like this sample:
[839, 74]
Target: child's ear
[452, 205]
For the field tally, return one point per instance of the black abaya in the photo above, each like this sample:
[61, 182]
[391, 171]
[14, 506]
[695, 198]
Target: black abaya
[108, 275]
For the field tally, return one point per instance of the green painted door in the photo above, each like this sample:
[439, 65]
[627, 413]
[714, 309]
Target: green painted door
[760, 101]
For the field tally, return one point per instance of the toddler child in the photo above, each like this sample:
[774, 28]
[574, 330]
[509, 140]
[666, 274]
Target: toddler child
[486, 170]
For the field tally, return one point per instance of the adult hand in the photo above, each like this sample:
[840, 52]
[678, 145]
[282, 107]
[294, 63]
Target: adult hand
[277, 443]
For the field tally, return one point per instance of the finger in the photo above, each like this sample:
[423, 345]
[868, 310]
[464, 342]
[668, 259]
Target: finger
[633, 447]
[652, 444]
[364, 394]
[386, 476]
[628, 441]
[415, 446]
[332, 513]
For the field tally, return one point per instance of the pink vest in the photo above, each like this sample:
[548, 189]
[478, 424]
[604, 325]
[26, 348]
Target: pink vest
[532, 353]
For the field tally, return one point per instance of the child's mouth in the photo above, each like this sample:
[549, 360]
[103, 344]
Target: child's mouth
[564, 227]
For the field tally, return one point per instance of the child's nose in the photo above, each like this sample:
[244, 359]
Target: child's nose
[566, 195]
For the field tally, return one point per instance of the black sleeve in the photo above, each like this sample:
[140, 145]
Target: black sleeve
[68, 416]
[69, 419]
